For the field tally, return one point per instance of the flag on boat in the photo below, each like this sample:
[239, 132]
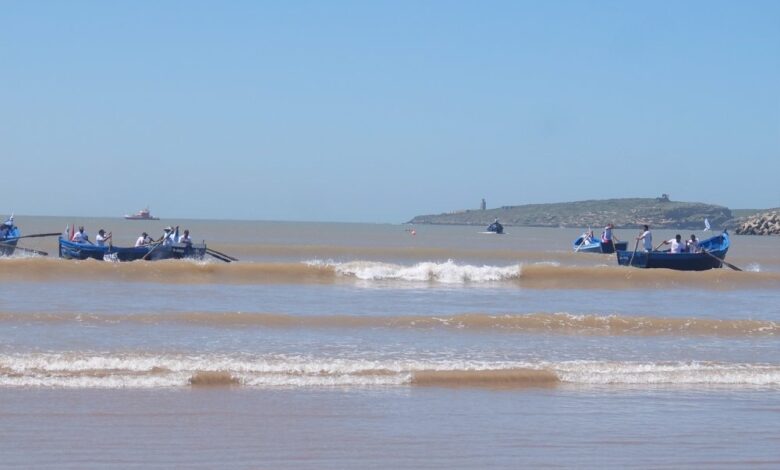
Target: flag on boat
[66, 232]
[706, 224]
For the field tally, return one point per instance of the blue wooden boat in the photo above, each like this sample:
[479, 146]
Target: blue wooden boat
[713, 253]
[596, 246]
[82, 251]
[9, 239]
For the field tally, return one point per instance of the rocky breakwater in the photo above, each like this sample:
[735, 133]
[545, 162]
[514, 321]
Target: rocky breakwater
[767, 223]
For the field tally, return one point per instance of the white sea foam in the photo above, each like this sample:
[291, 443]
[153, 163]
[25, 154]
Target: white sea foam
[753, 268]
[667, 373]
[82, 370]
[447, 272]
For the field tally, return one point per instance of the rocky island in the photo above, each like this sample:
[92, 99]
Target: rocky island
[658, 212]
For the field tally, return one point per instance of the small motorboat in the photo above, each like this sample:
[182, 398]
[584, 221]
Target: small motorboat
[495, 227]
[143, 214]
[711, 255]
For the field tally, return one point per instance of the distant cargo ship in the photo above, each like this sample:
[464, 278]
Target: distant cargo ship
[143, 214]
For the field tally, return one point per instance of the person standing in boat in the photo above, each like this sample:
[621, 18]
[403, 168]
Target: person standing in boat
[647, 238]
[81, 236]
[608, 239]
[144, 239]
[169, 236]
[676, 244]
[102, 237]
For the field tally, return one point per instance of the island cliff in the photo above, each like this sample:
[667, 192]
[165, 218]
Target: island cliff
[624, 213]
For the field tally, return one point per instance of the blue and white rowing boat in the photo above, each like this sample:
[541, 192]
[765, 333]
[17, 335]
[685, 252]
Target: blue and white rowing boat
[82, 251]
[712, 255]
[583, 245]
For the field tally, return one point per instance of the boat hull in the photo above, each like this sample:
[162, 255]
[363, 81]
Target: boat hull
[664, 259]
[7, 248]
[715, 247]
[82, 251]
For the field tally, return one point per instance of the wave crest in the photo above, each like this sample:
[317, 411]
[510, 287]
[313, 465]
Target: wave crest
[448, 272]
[538, 275]
[82, 370]
[559, 323]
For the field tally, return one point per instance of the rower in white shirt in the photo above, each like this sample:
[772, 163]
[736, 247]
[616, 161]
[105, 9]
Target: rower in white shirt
[676, 243]
[80, 236]
[647, 238]
[693, 244]
[102, 237]
[144, 239]
[185, 238]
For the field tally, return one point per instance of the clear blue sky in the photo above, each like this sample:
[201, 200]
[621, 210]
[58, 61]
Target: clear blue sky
[375, 111]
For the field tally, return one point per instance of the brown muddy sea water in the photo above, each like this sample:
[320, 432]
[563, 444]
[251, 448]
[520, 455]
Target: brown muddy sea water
[364, 346]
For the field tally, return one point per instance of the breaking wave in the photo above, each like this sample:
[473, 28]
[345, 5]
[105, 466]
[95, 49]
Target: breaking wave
[448, 272]
[538, 275]
[82, 370]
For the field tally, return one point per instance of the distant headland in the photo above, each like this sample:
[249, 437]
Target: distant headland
[660, 212]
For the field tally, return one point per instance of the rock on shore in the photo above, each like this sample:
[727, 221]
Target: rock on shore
[767, 223]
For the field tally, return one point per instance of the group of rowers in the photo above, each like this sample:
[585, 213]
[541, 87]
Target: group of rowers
[169, 237]
[676, 243]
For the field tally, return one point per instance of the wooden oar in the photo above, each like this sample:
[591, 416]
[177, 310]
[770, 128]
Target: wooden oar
[37, 252]
[218, 257]
[582, 242]
[37, 235]
[215, 252]
[722, 261]
[636, 245]
[146, 256]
